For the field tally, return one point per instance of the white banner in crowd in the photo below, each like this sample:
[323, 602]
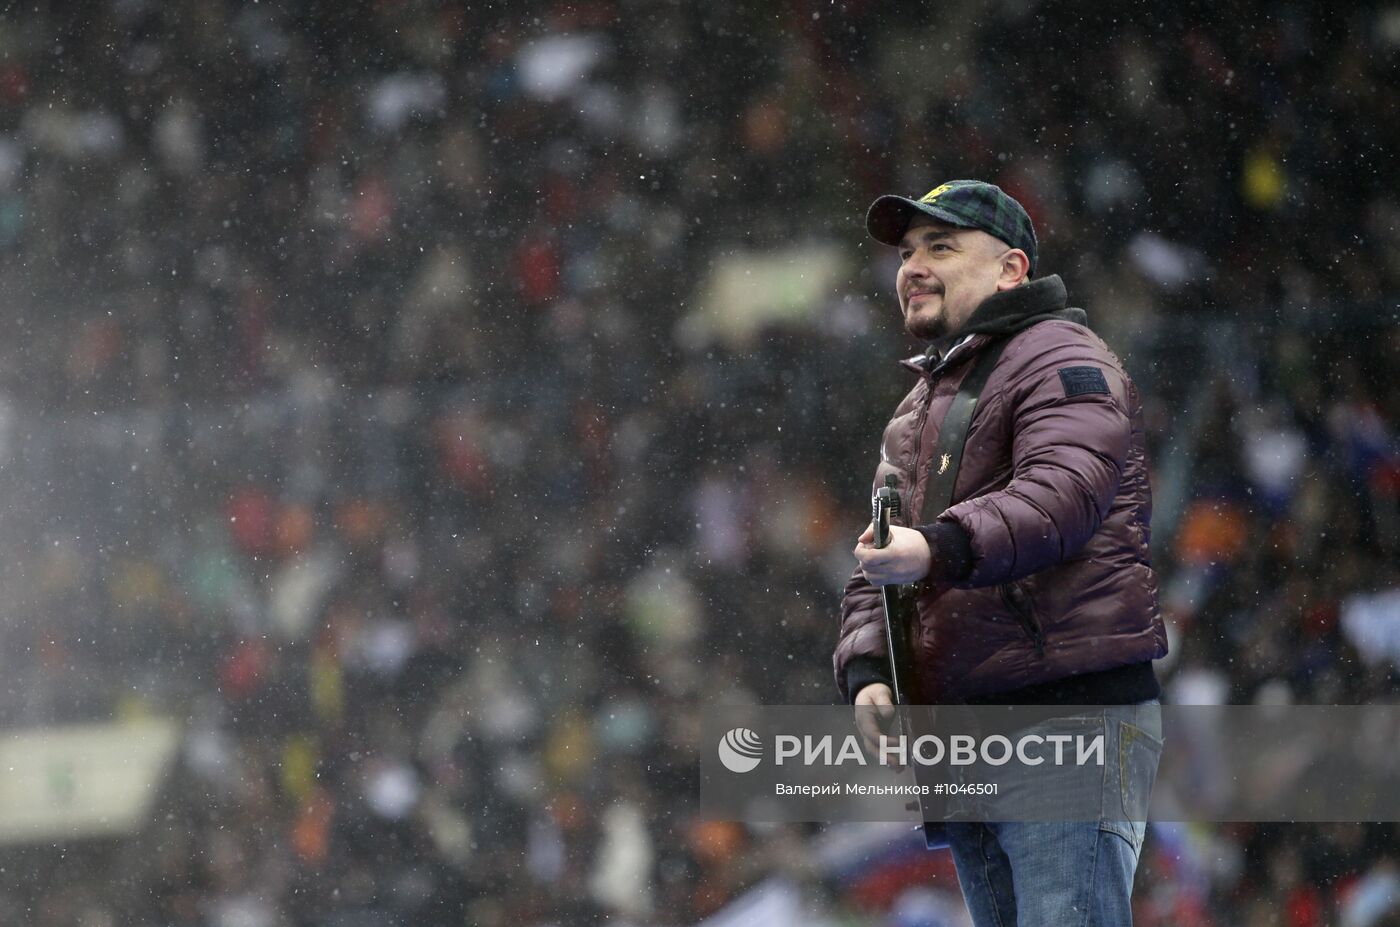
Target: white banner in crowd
[92, 780]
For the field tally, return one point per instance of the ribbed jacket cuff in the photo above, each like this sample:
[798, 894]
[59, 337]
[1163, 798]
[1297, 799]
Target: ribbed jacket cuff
[951, 548]
[862, 671]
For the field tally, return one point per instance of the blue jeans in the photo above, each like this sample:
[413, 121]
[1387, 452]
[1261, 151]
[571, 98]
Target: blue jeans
[1068, 873]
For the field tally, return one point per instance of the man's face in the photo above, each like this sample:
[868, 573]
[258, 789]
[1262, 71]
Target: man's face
[944, 274]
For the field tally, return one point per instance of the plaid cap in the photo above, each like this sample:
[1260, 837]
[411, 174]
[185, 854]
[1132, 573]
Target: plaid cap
[970, 204]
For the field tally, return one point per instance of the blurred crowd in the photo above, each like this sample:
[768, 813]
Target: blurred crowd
[360, 410]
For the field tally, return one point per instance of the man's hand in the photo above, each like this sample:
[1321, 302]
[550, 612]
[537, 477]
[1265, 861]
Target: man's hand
[874, 713]
[906, 559]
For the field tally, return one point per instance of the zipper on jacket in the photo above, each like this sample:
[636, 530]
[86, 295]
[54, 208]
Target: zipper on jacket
[912, 514]
[1024, 615]
[930, 377]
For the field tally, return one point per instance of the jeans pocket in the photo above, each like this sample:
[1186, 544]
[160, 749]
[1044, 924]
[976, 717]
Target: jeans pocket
[1138, 755]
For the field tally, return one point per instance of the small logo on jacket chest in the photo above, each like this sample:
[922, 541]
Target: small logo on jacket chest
[943, 464]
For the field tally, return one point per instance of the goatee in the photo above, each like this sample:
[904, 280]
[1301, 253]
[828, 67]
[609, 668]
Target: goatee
[927, 329]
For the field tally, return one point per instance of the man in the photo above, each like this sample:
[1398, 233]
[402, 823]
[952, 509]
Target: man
[1035, 585]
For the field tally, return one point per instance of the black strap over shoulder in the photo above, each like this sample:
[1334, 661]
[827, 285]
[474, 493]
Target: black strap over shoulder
[952, 435]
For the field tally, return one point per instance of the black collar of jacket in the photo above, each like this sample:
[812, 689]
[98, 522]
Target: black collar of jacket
[1006, 313]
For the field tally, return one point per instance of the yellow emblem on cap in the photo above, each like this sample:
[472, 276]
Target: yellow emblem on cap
[933, 194]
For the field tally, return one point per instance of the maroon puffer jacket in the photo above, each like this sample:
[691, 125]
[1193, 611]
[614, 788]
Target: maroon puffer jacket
[1053, 495]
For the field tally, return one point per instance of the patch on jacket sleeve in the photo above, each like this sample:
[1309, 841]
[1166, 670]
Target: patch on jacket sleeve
[1081, 380]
